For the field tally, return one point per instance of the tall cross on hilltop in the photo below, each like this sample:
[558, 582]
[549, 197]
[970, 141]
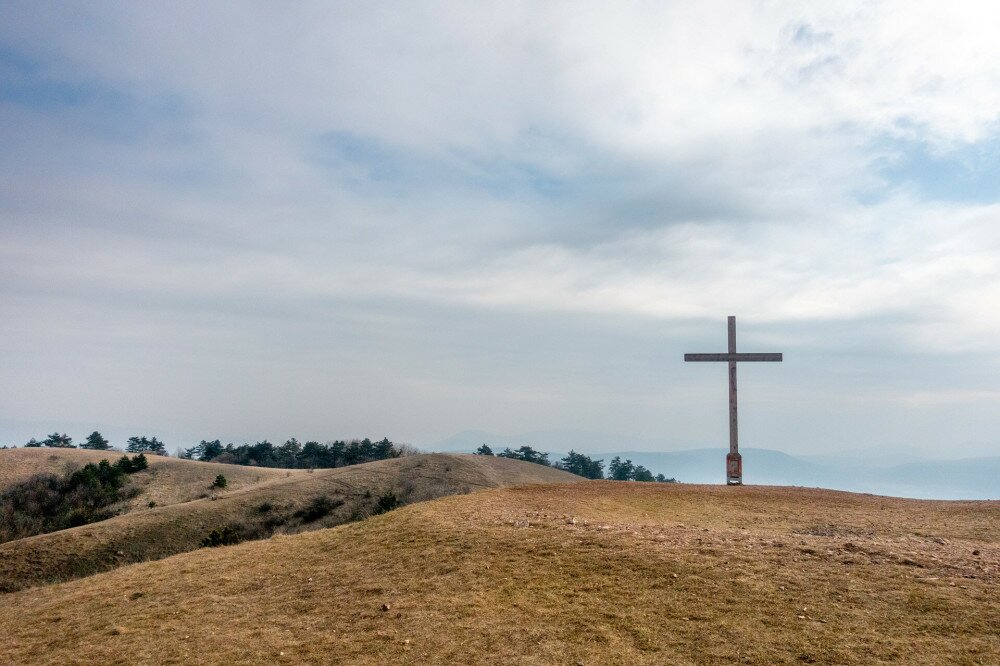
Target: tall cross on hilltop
[734, 462]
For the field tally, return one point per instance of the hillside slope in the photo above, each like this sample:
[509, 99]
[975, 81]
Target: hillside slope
[284, 502]
[593, 572]
[167, 481]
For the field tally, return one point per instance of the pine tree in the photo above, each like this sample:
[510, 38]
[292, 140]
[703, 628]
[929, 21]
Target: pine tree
[63, 441]
[582, 465]
[146, 445]
[620, 471]
[527, 454]
[640, 473]
[157, 447]
[96, 442]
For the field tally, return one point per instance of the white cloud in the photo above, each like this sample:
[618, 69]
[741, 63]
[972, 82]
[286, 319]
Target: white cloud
[652, 163]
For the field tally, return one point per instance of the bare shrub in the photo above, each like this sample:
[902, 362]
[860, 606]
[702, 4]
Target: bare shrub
[318, 508]
[407, 450]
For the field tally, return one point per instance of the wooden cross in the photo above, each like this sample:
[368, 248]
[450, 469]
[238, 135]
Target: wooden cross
[734, 462]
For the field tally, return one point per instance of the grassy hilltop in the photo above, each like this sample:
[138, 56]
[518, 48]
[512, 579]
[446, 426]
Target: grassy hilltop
[588, 572]
[256, 504]
[168, 480]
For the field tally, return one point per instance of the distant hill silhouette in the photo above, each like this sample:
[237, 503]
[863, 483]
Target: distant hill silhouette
[969, 478]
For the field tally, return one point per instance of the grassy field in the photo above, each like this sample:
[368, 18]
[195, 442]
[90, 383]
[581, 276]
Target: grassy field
[591, 573]
[256, 504]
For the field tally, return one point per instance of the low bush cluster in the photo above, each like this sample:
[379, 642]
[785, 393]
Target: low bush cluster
[270, 517]
[133, 464]
[318, 508]
[387, 502]
[227, 536]
[47, 502]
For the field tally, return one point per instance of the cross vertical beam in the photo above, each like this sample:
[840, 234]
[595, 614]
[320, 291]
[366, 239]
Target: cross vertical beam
[734, 461]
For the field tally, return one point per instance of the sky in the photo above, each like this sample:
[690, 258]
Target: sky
[326, 220]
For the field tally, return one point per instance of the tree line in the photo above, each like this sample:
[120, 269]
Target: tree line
[97, 442]
[581, 464]
[294, 455]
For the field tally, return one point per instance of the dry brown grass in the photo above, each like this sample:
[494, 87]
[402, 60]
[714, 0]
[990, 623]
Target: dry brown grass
[180, 526]
[596, 572]
[167, 481]
[21, 464]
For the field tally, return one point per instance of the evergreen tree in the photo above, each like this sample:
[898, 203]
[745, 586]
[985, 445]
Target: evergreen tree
[291, 454]
[640, 473]
[211, 450]
[32, 443]
[620, 471]
[63, 441]
[313, 455]
[335, 453]
[96, 442]
[366, 450]
[146, 445]
[261, 454]
[582, 465]
[484, 450]
[527, 454]
[352, 453]
[204, 450]
[384, 449]
[288, 453]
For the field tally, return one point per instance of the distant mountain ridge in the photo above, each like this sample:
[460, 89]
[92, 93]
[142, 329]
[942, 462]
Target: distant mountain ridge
[968, 478]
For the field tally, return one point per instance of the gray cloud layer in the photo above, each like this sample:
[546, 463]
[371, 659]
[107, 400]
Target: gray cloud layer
[416, 218]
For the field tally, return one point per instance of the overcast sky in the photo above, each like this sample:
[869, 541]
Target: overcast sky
[264, 220]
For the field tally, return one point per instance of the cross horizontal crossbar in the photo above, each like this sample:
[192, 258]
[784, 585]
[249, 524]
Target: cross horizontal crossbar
[732, 357]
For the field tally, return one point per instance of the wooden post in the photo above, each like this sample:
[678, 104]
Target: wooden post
[734, 461]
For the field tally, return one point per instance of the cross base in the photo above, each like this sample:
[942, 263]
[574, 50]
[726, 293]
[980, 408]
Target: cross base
[734, 469]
